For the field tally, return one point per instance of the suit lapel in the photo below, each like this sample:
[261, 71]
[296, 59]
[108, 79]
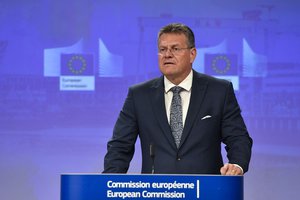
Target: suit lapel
[158, 104]
[198, 92]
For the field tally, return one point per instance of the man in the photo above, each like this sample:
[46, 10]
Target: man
[180, 128]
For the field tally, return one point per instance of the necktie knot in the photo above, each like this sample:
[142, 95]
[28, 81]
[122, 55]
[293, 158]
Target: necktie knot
[176, 89]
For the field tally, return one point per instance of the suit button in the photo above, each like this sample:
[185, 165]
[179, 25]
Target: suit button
[178, 159]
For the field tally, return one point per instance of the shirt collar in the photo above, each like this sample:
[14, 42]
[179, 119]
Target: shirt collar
[186, 84]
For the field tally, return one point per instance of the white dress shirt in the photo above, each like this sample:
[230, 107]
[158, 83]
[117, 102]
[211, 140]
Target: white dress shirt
[185, 95]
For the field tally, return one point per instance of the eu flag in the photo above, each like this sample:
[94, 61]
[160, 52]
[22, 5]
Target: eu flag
[221, 64]
[77, 65]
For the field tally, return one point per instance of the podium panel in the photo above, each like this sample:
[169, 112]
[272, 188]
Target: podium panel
[128, 186]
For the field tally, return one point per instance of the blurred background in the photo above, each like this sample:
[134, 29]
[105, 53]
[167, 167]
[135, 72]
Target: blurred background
[65, 67]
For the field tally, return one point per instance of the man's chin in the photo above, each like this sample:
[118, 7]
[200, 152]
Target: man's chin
[168, 69]
[170, 75]
[168, 72]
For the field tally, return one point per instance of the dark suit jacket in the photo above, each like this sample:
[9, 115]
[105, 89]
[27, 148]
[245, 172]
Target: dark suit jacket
[144, 115]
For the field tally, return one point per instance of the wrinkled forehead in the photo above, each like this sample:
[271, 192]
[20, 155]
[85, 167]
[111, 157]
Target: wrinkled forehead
[172, 39]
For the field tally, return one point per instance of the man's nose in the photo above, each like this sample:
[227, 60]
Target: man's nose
[169, 53]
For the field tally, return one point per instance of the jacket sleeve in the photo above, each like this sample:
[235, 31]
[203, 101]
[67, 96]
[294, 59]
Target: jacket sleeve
[234, 132]
[120, 148]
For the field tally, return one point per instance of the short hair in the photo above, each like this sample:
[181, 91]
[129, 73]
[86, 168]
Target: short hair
[179, 28]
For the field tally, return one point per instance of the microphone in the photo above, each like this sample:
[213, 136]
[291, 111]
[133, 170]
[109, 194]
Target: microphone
[152, 155]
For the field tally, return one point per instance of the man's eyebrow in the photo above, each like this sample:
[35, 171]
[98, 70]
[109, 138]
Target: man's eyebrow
[165, 46]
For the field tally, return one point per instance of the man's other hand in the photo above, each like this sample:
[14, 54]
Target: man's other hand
[231, 170]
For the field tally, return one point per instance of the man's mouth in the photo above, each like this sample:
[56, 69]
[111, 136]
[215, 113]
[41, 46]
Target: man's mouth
[169, 63]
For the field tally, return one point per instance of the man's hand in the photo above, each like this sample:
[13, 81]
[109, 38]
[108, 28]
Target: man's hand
[231, 170]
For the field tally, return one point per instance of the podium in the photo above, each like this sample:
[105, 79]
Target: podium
[148, 186]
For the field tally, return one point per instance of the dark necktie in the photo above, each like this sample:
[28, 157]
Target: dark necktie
[176, 115]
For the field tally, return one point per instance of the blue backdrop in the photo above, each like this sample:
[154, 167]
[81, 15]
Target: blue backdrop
[65, 67]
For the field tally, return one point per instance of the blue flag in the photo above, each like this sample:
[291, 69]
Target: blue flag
[77, 65]
[221, 64]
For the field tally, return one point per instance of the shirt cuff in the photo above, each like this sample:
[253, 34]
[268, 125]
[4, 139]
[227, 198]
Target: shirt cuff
[239, 167]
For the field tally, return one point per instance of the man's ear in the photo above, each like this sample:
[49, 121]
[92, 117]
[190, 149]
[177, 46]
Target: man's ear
[193, 54]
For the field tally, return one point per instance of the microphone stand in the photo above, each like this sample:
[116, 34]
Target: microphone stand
[152, 155]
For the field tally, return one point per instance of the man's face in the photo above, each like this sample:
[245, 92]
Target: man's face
[175, 65]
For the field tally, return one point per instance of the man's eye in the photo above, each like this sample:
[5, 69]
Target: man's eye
[176, 49]
[162, 50]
